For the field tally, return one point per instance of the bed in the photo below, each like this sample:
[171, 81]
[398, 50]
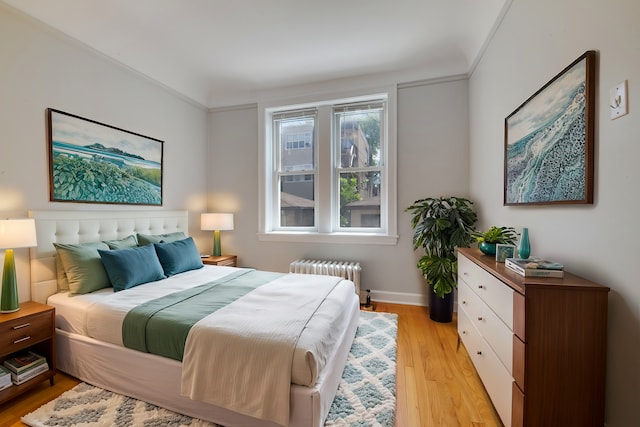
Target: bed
[92, 351]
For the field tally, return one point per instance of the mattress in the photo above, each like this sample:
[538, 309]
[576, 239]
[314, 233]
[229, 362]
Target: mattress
[99, 315]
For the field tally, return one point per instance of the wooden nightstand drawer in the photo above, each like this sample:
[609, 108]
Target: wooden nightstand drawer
[23, 332]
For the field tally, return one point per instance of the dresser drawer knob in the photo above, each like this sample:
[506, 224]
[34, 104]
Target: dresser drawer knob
[479, 353]
[21, 326]
[479, 317]
[464, 302]
[480, 287]
[22, 339]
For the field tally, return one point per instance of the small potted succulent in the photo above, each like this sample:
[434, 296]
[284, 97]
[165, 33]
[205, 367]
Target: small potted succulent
[487, 240]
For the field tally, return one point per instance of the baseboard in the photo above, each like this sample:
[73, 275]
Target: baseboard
[404, 298]
[399, 298]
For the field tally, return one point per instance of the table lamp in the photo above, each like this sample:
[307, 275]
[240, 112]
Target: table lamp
[216, 222]
[14, 233]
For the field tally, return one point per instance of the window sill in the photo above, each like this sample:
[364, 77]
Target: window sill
[346, 238]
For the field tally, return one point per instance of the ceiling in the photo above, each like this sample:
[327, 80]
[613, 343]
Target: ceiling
[230, 52]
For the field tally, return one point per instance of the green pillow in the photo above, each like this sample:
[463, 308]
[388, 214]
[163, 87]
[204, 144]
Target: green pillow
[131, 267]
[63, 283]
[147, 239]
[126, 243]
[178, 256]
[82, 266]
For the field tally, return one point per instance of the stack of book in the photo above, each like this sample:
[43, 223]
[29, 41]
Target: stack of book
[534, 267]
[26, 366]
[5, 378]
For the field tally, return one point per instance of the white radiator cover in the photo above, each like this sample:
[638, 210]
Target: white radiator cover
[346, 269]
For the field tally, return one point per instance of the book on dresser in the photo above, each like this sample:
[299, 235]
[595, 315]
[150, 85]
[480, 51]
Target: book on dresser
[535, 267]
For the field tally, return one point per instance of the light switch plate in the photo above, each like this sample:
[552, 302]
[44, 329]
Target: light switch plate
[618, 100]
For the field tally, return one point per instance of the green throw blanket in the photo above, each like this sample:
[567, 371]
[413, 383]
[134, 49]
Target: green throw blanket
[161, 326]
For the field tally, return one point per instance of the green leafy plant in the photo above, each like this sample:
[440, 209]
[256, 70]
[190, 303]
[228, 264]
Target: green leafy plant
[91, 180]
[503, 235]
[439, 226]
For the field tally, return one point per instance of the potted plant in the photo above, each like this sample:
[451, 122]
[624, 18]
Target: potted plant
[440, 225]
[487, 240]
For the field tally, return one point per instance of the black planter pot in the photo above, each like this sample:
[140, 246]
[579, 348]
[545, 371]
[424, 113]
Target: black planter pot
[440, 309]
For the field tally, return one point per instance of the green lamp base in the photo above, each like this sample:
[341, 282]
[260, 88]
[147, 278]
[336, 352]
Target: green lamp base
[9, 296]
[217, 251]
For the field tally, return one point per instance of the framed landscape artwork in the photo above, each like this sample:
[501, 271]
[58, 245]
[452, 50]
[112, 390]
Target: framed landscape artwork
[90, 162]
[549, 140]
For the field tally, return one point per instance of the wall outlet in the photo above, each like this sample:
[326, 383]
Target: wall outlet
[618, 100]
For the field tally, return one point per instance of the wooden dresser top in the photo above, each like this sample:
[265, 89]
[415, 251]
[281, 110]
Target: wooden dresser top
[520, 283]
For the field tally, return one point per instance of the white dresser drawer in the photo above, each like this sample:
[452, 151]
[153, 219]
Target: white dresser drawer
[497, 295]
[498, 336]
[485, 324]
[470, 336]
[498, 383]
[495, 377]
[469, 301]
[490, 326]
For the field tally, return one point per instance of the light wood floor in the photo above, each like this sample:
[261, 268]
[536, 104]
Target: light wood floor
[436, 382]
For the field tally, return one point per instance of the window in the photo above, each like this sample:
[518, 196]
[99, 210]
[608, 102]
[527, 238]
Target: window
[359, 132]
[298, 141]
[329, 170]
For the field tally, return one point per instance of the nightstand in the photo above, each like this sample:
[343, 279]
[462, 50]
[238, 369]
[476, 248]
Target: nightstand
[30, 328]
[228, 260]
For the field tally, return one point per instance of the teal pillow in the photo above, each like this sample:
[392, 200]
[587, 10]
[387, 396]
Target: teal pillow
[82, 266]
[147, 239]
[178, 256]
[131, 267]
[126, 243]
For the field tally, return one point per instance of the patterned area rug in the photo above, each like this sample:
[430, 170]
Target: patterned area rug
[366, 395]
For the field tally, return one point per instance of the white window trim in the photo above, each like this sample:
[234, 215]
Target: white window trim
[265, 233]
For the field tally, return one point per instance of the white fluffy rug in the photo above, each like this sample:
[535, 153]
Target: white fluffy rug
[365, 397]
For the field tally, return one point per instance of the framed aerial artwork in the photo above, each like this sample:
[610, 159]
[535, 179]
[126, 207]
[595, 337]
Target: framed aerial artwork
[91, 162]
[549, 140]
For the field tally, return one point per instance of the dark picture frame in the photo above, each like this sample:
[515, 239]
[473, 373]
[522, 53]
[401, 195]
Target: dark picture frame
[549, 140]
[92, 162]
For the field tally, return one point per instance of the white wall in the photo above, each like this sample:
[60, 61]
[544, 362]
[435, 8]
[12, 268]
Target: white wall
[40, 68]
[432, 158]
[535, 41]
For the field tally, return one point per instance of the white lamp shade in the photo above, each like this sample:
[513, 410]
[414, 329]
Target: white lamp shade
[17, 233]
[216, 221]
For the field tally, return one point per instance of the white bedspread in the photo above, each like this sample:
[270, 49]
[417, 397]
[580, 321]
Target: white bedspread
[100, 314]
[223, 346]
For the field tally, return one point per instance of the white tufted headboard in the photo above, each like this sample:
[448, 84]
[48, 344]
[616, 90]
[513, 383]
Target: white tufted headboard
[89, 226]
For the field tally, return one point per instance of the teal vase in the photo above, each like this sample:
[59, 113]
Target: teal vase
[524, 250]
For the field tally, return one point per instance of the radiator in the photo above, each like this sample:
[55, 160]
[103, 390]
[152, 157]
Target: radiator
[345, 269]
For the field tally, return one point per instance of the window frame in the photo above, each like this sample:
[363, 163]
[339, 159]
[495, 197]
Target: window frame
[279, 174]
[338, 169]
[326, 230]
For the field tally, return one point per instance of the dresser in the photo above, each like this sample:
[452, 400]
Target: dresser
[538, 344]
